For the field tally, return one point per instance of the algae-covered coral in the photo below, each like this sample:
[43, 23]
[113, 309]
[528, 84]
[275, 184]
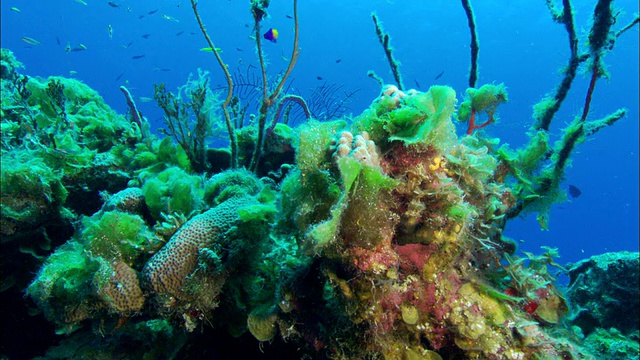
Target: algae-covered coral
[381, 238]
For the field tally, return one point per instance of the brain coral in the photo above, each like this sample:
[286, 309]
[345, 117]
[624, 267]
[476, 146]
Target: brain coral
[166, 272]
[128, 200]
[120, 288]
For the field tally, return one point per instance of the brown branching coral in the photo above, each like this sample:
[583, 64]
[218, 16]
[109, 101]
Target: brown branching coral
[544, 191]
[227, 75]
[55, 91]
[269, 100]
[385, 40]
[475, 47]
[189, 134]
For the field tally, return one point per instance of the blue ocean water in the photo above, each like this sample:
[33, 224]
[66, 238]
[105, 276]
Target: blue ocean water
[520, 45]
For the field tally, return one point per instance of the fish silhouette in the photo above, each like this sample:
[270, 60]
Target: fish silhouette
[574, 191]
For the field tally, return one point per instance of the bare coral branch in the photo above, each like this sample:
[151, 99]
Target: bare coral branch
[475, 48]
[258, 10]
[388, 50]
[547, 108]
[230, 129]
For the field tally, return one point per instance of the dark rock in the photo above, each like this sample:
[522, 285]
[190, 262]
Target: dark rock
[603, 291]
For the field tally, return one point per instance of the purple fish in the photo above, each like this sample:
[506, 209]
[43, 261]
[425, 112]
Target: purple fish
[271, 35]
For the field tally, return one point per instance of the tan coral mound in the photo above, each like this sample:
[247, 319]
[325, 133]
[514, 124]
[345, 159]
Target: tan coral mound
[166, 272]
[122, 290]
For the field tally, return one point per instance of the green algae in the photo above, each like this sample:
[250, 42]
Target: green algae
[116, 235]
[173, 190]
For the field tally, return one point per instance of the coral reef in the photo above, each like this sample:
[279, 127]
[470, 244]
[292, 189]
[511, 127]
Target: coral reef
[415, 229]
[380, 237]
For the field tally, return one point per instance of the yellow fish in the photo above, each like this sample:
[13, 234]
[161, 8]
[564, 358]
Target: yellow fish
[208, 49]
[81, 2]
[30, 41]
[170, 18]
[81, 46]
[15, 9]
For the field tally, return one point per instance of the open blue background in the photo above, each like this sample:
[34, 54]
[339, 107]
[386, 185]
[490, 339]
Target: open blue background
[519, 45]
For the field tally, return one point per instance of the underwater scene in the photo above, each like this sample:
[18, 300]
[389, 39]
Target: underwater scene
[319, 179]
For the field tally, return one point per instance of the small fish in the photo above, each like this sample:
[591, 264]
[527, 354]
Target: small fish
[76, 49]
[271, 35]
[162, 69]
[81, 2]
[338, 61]
[68, 47]
[208, 49]
[238, 49]
[574, 191]
[319, 78]
[165, 16]
[289, 16]
[136, 57]
[119, 76]
[112, 4]
[145, 99]
[72, 72]
[152, 12]
[30, 41]
[146, 36]
[15, 9]
[82, 46]
[417, 84]
[110, 31]
[439, 75]
[179, 33]
[57, 40]
[140, 17]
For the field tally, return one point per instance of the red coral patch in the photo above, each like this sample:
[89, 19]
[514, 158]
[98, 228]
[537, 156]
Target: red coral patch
[413, 256]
